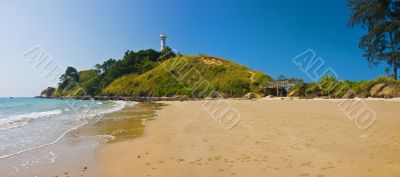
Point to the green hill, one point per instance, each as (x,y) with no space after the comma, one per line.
(152,73)
(202,76)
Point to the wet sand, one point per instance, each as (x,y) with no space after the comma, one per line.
(273,138)
(74,154)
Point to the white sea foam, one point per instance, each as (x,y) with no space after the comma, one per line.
(118,105)
(23,119)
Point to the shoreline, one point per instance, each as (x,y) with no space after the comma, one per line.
(74,154)
(182,135)
(185,98)
(273,138)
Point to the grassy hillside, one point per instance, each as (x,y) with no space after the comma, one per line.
(157,74)
(190,75)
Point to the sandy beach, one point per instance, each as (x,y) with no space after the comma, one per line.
(273,138)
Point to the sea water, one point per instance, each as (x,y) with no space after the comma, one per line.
(27,124)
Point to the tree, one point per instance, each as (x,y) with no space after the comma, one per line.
(70,77)
(381,19)
(102,68)
(89,81)
(327,84)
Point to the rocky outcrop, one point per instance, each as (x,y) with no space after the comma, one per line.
(376,89)
(390,91)
(382,90)
(252,95)
(47,93)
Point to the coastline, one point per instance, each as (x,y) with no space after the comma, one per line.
(74,153)
(186,98)
(273,138)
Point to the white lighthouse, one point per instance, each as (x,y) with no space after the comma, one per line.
(163,37)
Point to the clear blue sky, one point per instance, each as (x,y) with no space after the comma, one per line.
(264,35)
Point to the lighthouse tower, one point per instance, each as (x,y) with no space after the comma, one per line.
(163,37)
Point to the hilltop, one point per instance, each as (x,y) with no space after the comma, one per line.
(202,76)
(149,73)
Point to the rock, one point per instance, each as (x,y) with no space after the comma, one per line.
(389,92)
(252,95)
(47,93)
(376,89)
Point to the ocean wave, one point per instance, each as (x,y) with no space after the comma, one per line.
(23,119)
(117,106)
(96,114)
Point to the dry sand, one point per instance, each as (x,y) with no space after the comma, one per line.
(280,138)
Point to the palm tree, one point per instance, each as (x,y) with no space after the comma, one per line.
(381,19)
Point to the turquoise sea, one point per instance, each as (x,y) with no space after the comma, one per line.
(27,124)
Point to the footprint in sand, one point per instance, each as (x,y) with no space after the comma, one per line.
(308,164)
(389,162)
(289,166)
(304,174)
(327,168)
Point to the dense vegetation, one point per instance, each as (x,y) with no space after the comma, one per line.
(152,73)
(329,87)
